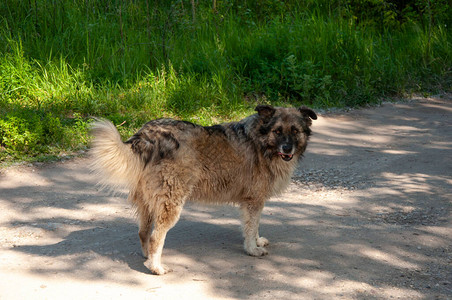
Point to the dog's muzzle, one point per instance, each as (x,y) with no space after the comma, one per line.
(286,152)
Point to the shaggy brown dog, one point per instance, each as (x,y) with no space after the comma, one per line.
(169,162)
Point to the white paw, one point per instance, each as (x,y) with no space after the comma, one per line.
(257,251)
(156,269)
(262,242)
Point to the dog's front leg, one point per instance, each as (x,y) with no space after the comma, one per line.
(251,213)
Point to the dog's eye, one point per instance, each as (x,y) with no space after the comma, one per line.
(277,131)
(295,131)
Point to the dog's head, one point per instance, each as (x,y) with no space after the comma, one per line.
(283,132)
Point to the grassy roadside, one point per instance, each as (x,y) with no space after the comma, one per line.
(64,62)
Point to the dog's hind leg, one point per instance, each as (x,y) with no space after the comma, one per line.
(166,214)
(144,212)
(144,230)
(251,212)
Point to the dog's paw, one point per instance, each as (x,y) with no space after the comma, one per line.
(262,242)
(257,251)
(157,270)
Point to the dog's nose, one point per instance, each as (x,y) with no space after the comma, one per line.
(287,148)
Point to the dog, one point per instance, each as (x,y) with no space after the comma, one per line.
(168,162)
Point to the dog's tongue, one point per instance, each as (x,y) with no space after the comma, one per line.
(285,157)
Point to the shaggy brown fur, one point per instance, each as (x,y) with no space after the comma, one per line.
(168,162)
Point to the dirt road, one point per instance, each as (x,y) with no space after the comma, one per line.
(368,216)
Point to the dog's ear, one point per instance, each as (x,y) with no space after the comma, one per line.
(265,111)
(307,112)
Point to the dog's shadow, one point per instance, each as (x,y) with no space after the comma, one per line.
(190,239)
(118,240)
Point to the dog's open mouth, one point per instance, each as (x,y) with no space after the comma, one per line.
(286,157)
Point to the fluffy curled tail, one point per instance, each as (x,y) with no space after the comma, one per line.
(113,161)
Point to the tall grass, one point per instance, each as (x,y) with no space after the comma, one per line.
(64,61)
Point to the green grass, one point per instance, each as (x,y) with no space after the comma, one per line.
(63,63)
